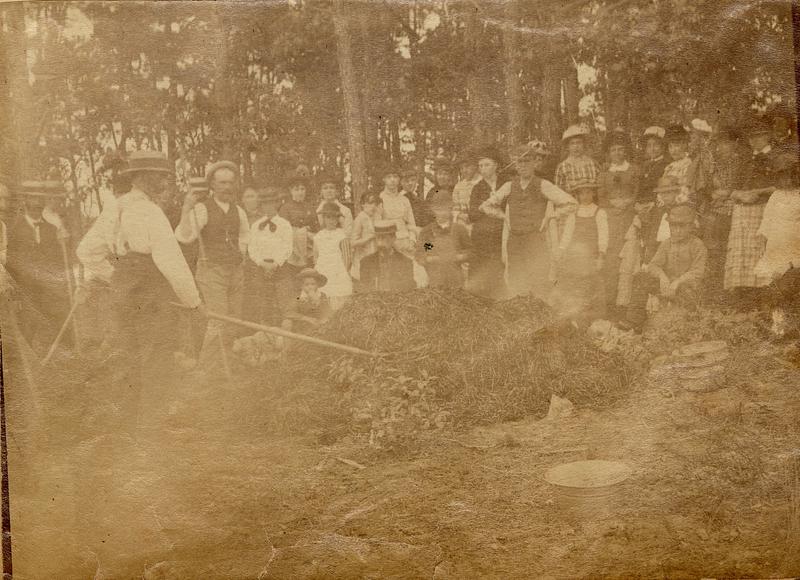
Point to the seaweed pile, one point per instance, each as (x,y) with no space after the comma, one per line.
(491,361)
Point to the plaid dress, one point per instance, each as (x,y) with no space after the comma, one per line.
(574,170)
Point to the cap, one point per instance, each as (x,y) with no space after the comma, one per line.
(295,179)
(312,273)
(654,131)
(153,161)
(681,214)
(214,167)
(408,171)
(385,228)
(328,177)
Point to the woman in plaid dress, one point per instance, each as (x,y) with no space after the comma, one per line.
(745,246)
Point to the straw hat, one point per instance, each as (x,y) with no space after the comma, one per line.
(385,228)
(50,188)
(152,161)
(701,125)
(654,132)
(574,131)
(214,167)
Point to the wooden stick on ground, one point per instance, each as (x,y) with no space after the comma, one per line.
(61,333)
(286,333)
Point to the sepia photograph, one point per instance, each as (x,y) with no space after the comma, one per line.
(399,289)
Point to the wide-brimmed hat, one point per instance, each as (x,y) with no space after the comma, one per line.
(574,131)
(667,185)
(293,179)
(385,228)
(214,167)
(702,126)
(49,188)
(330,208)
(152,161)
(654,132)
(676,133)
(682,214)
(312,273)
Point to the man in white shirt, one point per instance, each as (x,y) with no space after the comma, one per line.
(148,272)
(269,286)
(222,229)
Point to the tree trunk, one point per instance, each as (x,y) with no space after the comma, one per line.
(572,94)
(551,102)
(21,145)
(514,106)
(352,103)
(223,95)
(369,47)
(477,93)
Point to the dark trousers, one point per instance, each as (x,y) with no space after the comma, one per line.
(266,296)
(644,285)
(145,324)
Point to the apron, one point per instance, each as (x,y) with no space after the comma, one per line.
(580,283)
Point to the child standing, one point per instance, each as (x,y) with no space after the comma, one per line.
(329,257)
(640,245)
(329,192)
(443,246)
(362,239)
(581,254)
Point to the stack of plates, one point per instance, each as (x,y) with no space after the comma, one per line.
(700,365)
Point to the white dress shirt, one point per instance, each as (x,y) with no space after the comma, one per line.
(133,223)
(189,230)
(266,245)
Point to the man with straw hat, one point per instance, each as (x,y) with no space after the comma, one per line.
(148,272)
(524,204)
(36,263)
(221,227)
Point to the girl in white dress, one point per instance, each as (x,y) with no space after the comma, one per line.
(329,256)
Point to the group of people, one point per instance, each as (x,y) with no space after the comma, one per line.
(703,215)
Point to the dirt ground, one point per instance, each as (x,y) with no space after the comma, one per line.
(206,490)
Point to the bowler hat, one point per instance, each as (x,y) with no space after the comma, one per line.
(385,228)
(214,167)
(675,133)
(154,161)
(330,208)
(681,214)
(51,188)
(312,273)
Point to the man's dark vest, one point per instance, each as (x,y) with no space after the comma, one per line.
(526,207)
(221,235)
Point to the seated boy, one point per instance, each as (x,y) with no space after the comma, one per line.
(674,273)
(443,246)
(311,308)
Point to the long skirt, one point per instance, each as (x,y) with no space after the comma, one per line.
(619,221)
(745,246)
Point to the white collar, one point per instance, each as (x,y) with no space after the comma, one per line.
(620,167)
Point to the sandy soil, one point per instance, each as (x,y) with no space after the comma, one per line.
(205,490)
